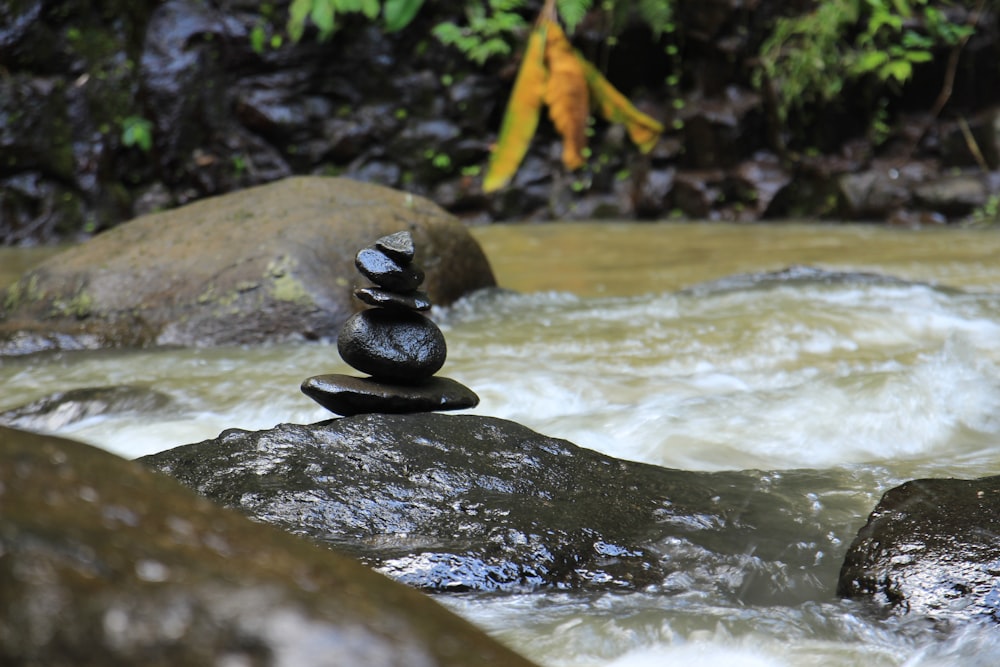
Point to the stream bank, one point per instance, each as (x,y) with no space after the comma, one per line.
(85,89)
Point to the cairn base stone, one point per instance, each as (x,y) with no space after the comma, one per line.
(348,395)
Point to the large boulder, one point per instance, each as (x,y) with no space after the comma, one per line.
(274,262)
(931,547)
(103,562)
(460,502)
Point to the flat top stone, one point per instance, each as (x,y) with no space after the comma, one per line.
(350,395)
(399,246)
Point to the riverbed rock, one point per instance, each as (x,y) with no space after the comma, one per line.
(460,502)
(106,563)
(62,408)
(930,548)
(270,263)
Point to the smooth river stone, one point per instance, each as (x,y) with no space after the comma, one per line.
(374,296)
(386,272)
(392,344)
(398,246)
(349,395)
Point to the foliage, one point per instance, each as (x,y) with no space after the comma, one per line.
(396,14)
(137,131)
(489,30)
(553,72)
(809,59)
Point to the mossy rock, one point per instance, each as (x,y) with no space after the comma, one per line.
(107,563)
(270,263)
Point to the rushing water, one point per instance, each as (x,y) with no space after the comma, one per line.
(672,344)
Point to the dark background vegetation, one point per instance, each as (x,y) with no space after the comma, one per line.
(880,110)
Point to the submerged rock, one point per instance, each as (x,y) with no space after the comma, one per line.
(451,503)
(930,547)
(104,563)
(63,408)
(270,263)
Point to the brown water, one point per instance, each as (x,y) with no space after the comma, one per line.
(668,343)
(595,259)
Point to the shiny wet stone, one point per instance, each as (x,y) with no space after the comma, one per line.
(386,272)
(349,395)
(373,296)
(392,344)
(398,246)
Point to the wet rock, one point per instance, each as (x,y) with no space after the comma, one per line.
(452,503)
(386,272)
(930,548)
(381,298)
(888,185)
(759,182)
(392,344)
(63,408)
(953,196)
(398,246)
(270,263)
(348,395)
(719,131)
(696,192)
(106,563)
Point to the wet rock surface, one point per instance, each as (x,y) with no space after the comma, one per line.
(394,345)
(931,547)
(105,563)
(349,395)
(265,264)
(63,408)
(452,503)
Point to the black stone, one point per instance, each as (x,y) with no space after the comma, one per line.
(452,502)
(392,344)
(398,246)
(348,395)
(386,272)
(930,547)
(374,296)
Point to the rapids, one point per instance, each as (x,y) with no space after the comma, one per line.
(873,360)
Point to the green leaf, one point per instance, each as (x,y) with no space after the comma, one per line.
(345,6)
(900,70)
(322,16)
(297,14)
(870,61)
(370,8)
(399,13)
(919,56)
(572,12)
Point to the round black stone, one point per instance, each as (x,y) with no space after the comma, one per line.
(349,395)
(386,272)
(374,296)
(399,246)
(392,344)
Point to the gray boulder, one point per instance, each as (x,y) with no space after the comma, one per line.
(104,563)
(270,263)
(460,502)
(931,547)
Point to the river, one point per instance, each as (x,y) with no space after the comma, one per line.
(874,360)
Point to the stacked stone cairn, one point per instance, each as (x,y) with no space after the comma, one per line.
(399,348)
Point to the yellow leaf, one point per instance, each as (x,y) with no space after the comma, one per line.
(615,107)
(521,117)
(566,94)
